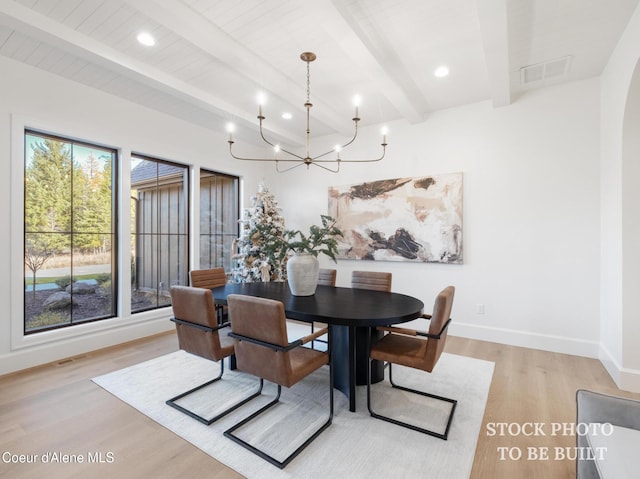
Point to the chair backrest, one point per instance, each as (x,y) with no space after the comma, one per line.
(208,278)
(378,281)
(327,277)
(441,313)
(195,305)
(262,319)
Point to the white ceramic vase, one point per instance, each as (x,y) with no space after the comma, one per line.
(302,274)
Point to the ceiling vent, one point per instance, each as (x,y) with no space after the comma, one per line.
(551,70)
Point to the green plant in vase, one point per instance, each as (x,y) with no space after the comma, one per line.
(321,239)
(303,266)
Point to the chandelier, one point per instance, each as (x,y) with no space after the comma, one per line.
(293,160)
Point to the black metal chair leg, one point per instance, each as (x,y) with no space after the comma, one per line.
(404,424)
(316,340)
(281,464)
(208,421)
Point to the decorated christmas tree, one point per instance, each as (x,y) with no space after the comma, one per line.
(261,225)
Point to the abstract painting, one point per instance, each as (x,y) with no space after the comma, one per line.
(404,219)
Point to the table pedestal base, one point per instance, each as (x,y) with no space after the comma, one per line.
(350,359)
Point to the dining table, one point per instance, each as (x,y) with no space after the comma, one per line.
(352,315)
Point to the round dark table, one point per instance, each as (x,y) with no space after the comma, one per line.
(349,312)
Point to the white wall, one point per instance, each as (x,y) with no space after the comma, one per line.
(531,214)
(40,100)
(620,167)
(531,206)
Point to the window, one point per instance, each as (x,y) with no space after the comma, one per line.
(219,205)
(69,232)
(159,231)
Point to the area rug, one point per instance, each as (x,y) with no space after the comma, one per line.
(354,446)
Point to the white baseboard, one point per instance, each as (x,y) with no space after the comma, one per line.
(610,363)
(629,380)
(626,379)
(29,357)
(545,342)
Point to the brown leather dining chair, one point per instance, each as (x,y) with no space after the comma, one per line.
(209,279)
(259,329)
(375,280)
(200,334)
(403,346)
(327,277)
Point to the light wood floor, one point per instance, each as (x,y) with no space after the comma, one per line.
(56,409)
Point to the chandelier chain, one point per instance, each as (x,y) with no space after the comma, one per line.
(308,84)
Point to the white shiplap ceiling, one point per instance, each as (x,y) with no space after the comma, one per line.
(212,56)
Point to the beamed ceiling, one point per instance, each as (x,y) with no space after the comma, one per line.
(212,57)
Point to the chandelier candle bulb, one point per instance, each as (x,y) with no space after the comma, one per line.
(230,129)
(357,99)
(262,98)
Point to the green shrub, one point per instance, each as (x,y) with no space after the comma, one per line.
(64,281)
(103,277)
(48,318)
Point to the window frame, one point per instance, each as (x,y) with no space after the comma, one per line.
(187,182)
(115,276)
(236,185)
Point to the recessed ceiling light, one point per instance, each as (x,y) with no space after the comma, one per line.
(441,71)
(146,39)
(287,116)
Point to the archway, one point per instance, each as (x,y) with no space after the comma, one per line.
(631,226)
